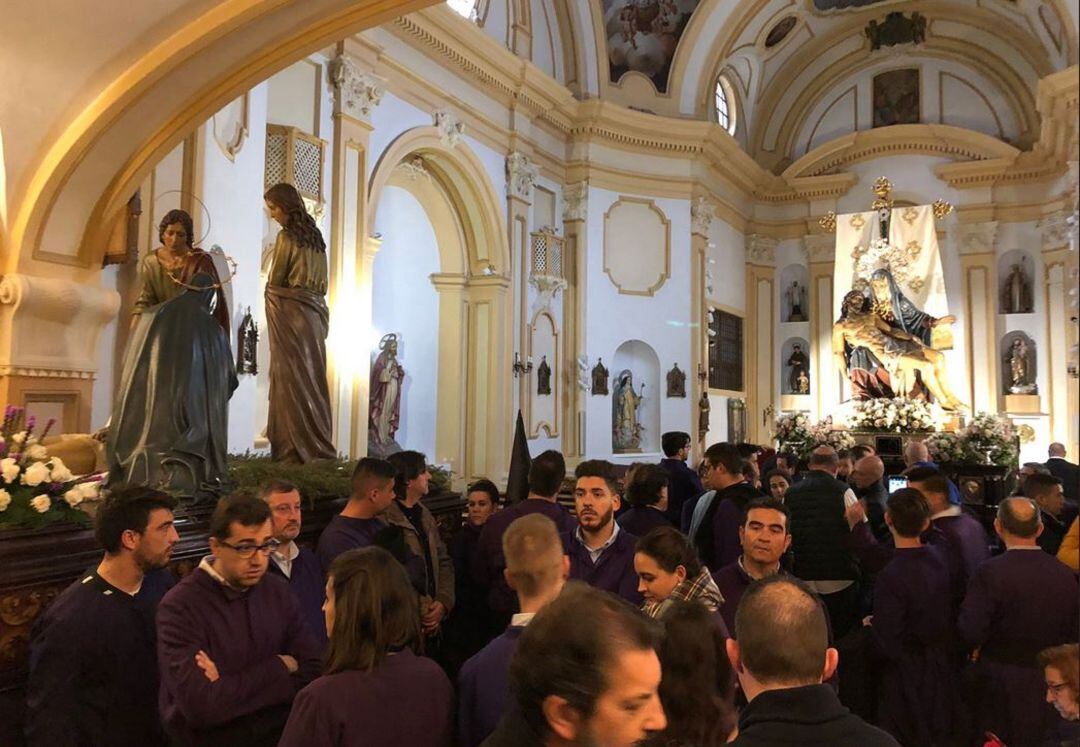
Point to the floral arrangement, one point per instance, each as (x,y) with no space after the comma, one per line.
(987,439)
(796,434)
(946,447)
(898,414)
(37,489)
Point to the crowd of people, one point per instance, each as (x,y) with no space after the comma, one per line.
(745,603)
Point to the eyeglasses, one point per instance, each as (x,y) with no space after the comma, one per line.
(1056,688)
(248,550)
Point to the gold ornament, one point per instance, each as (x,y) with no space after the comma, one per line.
(828,221)
(942,208)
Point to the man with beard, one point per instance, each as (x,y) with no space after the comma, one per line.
(232,645)
(601,554)
(585,673)
(93,659)
(298,565)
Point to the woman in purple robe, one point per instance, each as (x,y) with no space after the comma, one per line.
(375,691)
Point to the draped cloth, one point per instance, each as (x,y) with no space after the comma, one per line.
(299,422)
(170,421)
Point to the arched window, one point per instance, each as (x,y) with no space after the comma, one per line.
(725,105)
(465,8)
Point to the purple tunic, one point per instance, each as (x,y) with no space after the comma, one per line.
(406,701)
(967,543)
(243,632)
(683,484)
(490,563)
(484,688)
(913,632)
(613,571)
(732,581)
(346,533)
(1016,605)
(640,520)
(308,585)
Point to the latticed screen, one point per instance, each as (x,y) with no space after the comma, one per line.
(547,254)
(294,157)
(725,351)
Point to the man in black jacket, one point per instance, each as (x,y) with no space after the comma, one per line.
(1064,470)
(683,482)
(780,652)
(818,538)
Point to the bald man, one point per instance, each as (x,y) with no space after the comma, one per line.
(1017,604)
(867,480)
(1064,470)
(917,455)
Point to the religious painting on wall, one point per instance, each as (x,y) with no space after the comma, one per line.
(780,31)
(896,97)
(642,36)
(725,351)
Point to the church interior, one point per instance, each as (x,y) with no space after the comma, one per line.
(614,219)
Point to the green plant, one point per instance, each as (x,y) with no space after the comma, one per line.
(327,479)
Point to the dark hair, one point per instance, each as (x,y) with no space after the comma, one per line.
(781,631)
(247,510)
(546,473)
(408,465)
(127,507)
(270,487)
(773,505)
(375,610)
(788,458)
(670,548)
(747,450)
(672,441)
(484,486)
(177,216)
(909,511)
(570,646)
(750,469)
(299,225)
(844,454)
(1019,526)
(727,455)
(930,480)
(697,688)
(1037,469)
(774,473)
(599,468)
(1037,485)
(824,456)
(858,451)
(644,489)
(369,469)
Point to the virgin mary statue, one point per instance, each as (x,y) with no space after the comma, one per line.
(626,430)
(169,426)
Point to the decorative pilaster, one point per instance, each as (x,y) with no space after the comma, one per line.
(520,176)
(978,263)
(1059,263)
(759,327)
(574,214)
(819,249)
(702,213)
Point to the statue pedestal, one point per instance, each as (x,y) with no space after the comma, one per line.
(1023,404)
(795,402)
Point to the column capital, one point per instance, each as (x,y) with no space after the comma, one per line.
(451,128)
(702,213)
(356,92)
(371,247)
(521,173)
(819,247)
(760,249)
(575,201)
(976,238)
(1057,229)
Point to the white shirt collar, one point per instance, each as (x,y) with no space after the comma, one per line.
(521,619)
(950,511)
(610,540)
(286,552)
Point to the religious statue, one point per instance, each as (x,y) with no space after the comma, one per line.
(894,308)
(599,377)
(736,419)
(626,430)
(170,420)
(384,412)
(299,422)
(1018,359)
(704,408)
(1016,297)
(903,355)
(796,302)
(676,382)
(247,343)
(543,376)
(799,363)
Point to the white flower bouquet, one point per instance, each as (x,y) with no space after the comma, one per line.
(897,415)
(37,489)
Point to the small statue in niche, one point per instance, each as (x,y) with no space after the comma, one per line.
(796,302)
(676,382)
(625,428)
(798,376)
(599,377)
(387,376)
(543,376)
(704,408)
(1016,296)
(247,341)
(736,413)
(1019,362)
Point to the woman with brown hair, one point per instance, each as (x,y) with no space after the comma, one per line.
(375,690)
(670,571)
(1061,669)
(299,422)
(169,426)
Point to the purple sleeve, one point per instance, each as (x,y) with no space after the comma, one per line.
(871,554)
(726,523)
(206,703)
(977,612)
(888,625)
(55,684)
(695,481)
(468,706)
(310,724)
(301,644)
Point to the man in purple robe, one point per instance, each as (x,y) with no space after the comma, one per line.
(601,554)
(765,537)
(648,494)
(912,629)
(536,570)
(718,514)
(546,474)
(1017,604)
(683,482)
(233,647)
(297,565)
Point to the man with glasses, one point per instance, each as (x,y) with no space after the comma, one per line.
(233,647)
